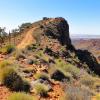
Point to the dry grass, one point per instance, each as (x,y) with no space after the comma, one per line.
(41,89)
(77,93)
(7,49)
(21,96)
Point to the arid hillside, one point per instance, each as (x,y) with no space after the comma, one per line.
(39,62)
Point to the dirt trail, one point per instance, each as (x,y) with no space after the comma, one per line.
(28,39)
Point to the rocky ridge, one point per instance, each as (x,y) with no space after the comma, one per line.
(46,58)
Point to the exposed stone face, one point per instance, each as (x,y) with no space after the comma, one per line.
(89,59)
(58,28)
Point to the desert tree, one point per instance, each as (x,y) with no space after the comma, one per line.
(3,35)
(9,37)
(24,26)
(14,33)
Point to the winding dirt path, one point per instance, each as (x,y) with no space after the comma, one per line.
(28,39)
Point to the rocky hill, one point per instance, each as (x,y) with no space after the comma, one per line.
(45,57)
(56,29)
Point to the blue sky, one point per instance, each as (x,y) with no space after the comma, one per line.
(83,16)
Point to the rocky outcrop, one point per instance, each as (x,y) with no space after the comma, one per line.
(89,59)
(52,35)
(58,28)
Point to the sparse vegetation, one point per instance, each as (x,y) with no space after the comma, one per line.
(10,78)
(41,89)
(77,93)
(41,54)
(45,57)
(4,64)
(5,73)
(87,80)
(7,49)
(21,96)
(67,67)
(41,76)
(24,26)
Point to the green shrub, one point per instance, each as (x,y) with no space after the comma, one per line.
(41,75)
(41,55)
(41,89)
(69,76)
(4,63)
(67,67)
(4,72)
(12,80)
(7,49)
(21,96)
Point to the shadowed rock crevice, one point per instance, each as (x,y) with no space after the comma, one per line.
(89,59)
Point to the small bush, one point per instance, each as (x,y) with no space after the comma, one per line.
(21,96)
(77,93)
(12,80)
(7,49)
(4,63)
(87,80)
(67,67)
(41,75)
(41,55)
(4,72)
(41,89)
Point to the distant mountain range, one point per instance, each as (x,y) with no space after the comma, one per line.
(85,36)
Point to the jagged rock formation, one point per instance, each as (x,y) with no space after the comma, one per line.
(92,45)
(89,59)
(58,28)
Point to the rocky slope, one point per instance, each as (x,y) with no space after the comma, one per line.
(52,35)
(46,58)
(57,29)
